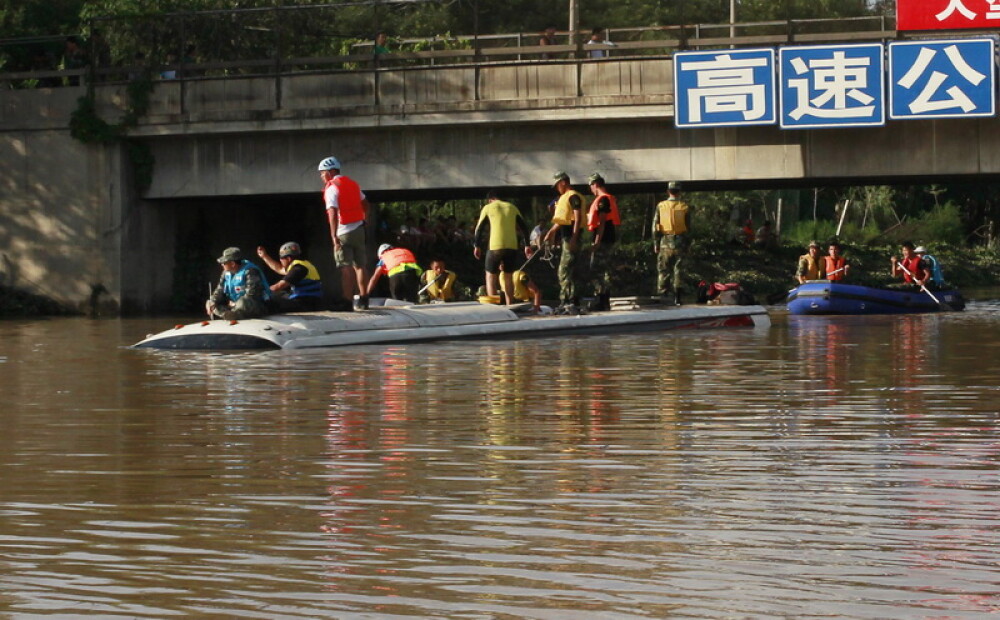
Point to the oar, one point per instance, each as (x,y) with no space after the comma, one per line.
(531,258)
(837,270)
(924,288)
(432,282)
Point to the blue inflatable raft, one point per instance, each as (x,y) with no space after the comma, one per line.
(822,297)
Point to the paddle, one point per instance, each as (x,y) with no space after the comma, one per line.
(433,282)
(943,305)
(837,270)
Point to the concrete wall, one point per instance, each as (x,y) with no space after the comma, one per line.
(61,202)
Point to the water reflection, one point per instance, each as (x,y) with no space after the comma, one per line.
(837,467)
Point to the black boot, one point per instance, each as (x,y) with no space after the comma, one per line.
(677,298)
(604,302)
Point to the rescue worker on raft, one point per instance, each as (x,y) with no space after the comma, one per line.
(300,290)
(931,267)
(835,266)
(909,267)
(438,283)
(242,292)
(603,221)
(810,265)
(404,273)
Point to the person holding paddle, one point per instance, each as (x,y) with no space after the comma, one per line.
(835,265)
(438,283)
(909,268)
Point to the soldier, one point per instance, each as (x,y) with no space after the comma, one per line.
(567,224)
(242,292)
(671,226)
(603,221)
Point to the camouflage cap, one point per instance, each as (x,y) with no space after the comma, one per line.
(596,178)
(814,244)
(560,176)
(674,185)
(229,254)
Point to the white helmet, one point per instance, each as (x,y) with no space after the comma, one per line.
(290,249)
(330,163)
(920,250)
(382,248)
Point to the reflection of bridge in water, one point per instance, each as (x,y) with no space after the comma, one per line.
(440,123)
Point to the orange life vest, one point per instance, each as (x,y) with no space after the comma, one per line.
(349,199)
(391,259)
(832,264)
(915,268)
(594,215)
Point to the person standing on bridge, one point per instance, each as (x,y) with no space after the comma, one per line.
(346,212)
(567,224)
(603,221)
(500,222)
(671,224)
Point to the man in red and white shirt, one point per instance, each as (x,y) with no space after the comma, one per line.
(346,211)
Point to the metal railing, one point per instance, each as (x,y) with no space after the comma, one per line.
(150,47)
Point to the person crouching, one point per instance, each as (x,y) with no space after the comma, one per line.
(242,292)
(404,273)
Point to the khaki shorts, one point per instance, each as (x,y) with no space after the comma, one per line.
(352,249)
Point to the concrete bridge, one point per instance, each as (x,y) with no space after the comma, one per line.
(236,156)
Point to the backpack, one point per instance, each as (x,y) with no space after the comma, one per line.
(728,294)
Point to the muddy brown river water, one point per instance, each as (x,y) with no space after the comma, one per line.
(825,467)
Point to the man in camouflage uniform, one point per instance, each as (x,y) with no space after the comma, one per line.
(567,224)
(671,229)
(603,220)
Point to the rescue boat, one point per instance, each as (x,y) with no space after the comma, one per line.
(823,297)
(393,323)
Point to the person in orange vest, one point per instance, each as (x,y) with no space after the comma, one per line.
(404,273)
(603,220)
(835,266)
(346,212)
(909,268)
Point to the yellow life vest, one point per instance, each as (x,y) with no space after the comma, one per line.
(521,292)
(564,210)
(814,266)
(672,217)
(442,289)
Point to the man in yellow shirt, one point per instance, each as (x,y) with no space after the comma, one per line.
(671,227)
(500,222)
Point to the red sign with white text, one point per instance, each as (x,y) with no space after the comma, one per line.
(947,14)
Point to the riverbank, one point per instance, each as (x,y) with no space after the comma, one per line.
(764,273)
(16,303)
